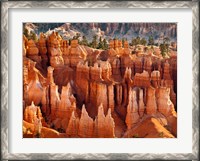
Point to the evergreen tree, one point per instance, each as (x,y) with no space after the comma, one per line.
(105,45)
(137,40)
(34,36)
(25,32)
(143,41)
(123,40)
(84,41)
(100,45)
(94,42)
(151,40)
(163,49)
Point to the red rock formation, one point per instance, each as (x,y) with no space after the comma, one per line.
(50,79)
(32,51)
(96,72)
(165,106)
(126,48)
(166,72)
(34,87)
(118,96)
(77,54)
(126,61)
(155,78)
(150,128)
(120,48)
(132,116)
(110,125)
(54,100)
(148,65)
(127,75)
(141,103)
(31,48)
(42,44)
(43,50)
(65,52)
(170,84)
(106,70)
(32,113)
(37,127)
(112,53)
(73,126)
(25,41)
(112,84)
(65,96)
(104,125)
(102,97)
(116,46)
(142,80)
(116,72)
(82,77)
(151,106)
(111,101)
(54,51)
(138,65)
(86,125)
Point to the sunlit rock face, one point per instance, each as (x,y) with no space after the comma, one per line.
(86,125)
(32,113)
(165,105)
(132,116)
(43,50)
(75,91)
(54,51)
(151,105)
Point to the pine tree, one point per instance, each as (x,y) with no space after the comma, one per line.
(25,32)
(143,41)
(105,45)
(94,42)
(137,40)
(84,41)
(151,40)
(100,44)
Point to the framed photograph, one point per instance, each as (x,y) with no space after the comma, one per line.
(100,80)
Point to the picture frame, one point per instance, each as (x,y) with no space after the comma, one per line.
(5,74)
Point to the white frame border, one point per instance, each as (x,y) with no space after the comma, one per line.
(97,4)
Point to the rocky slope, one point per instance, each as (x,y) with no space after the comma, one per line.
(108,30)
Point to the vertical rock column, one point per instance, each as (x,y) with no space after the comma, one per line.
(73,126)
(155,79)
(54,98)
(43,50)
(65,52)
(118,88)
(102,96)
(148,64)
(111,101)
(132,116)
(82,82)
(151,106)
(165,106)
(104,125)
(116,73)
(54,51)
(32,51)
(166,72)
(141,103)
(86,125)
